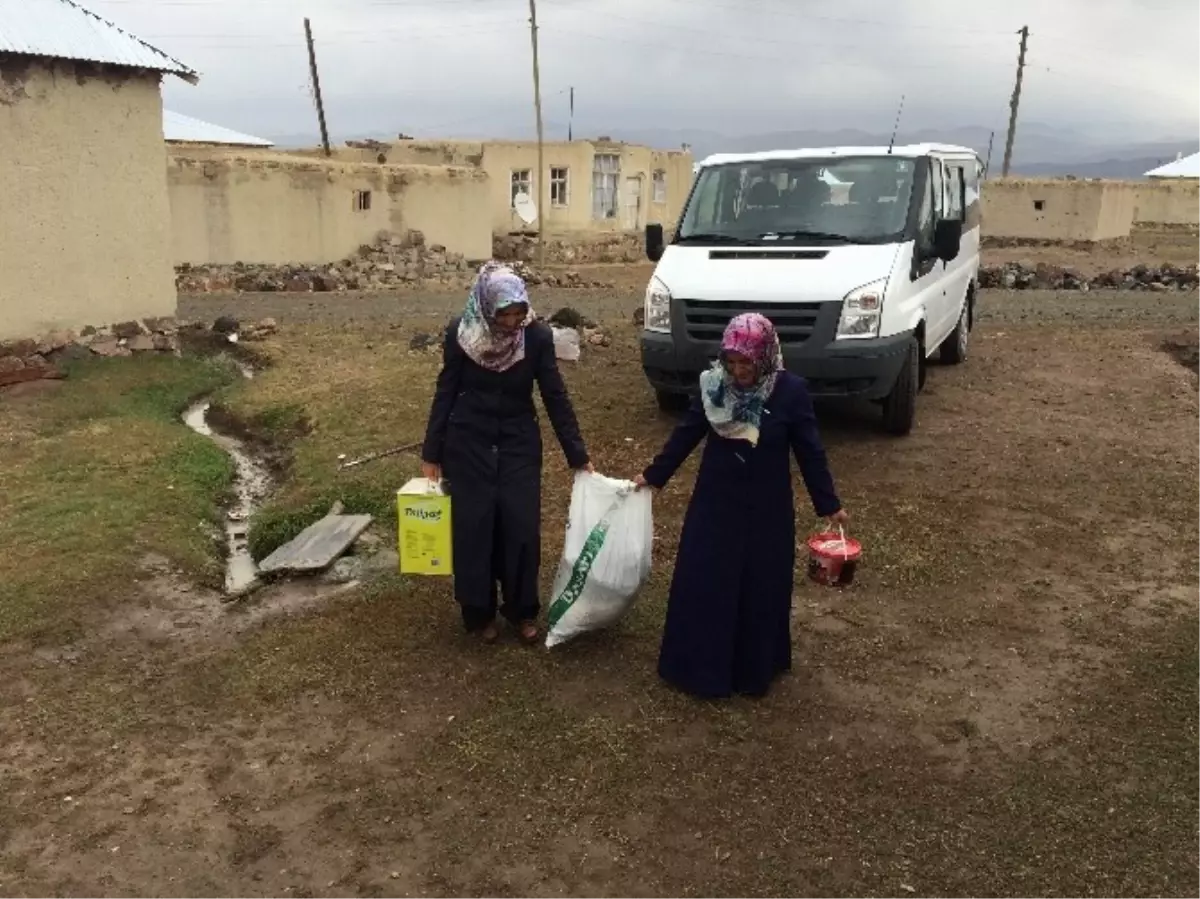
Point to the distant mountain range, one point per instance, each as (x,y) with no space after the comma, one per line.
(1043,150)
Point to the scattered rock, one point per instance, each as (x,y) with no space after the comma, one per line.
(570,318)
(226,324)
(125,330)
(37,359)
(261,330)
(108,346)
(1043,276)
(422,342)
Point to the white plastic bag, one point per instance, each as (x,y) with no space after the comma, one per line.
(566,344)
(606,559)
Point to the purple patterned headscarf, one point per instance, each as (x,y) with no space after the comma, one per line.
(736,412)
(496,287)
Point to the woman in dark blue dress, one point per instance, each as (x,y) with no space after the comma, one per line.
(728,627)
(483,429)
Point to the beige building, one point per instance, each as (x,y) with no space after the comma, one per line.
(588,186)
(84,194)
(1057,209)
(274,208)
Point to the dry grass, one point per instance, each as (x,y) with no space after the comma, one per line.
(1004,704)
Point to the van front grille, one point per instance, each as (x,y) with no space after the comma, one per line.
(706,320)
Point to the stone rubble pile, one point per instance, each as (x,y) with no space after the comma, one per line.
(31,360)
(391,262)
(1016,276)
(590,249)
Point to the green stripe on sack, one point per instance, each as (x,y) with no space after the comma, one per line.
(579,573)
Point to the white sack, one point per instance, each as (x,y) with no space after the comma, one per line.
(606,559)
(566,344)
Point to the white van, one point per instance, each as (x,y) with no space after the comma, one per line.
(865,258)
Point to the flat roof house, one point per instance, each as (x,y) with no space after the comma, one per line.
(85,235)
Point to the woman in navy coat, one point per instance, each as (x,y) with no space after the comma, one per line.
(728,626)
(483,430)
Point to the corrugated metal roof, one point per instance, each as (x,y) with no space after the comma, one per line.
(63,29)
(179,128)
(1187,167)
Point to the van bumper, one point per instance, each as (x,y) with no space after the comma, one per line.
(847,369)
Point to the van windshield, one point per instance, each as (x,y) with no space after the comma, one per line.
(838,200)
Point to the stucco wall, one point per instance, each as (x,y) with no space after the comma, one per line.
(83,199)
(499,159)
(1047,209)
(1174,201)
(275,208)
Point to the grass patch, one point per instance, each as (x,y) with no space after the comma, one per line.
(97,474)
(336,392)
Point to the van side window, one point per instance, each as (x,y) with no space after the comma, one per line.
(925,213)
(935,180)
(971,211)
(955,200)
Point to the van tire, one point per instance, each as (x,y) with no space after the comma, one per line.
(673,403)
(900,406)
(953,350)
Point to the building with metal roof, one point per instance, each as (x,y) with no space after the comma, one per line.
(85,221)
(1184,167)
(182,129)
(62,29)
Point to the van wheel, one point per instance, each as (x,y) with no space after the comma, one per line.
(900,406)
(953,350)
(671,402)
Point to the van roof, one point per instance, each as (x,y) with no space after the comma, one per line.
(908,151)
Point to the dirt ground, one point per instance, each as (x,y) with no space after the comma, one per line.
(1004,704)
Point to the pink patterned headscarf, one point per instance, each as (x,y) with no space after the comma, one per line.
(736,412)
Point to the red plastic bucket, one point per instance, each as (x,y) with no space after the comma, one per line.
(832,558)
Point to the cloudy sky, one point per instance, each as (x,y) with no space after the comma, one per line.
(1114,69)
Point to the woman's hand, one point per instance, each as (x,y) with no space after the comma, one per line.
(838,518)
(431,471)
(639,483)
(587,468)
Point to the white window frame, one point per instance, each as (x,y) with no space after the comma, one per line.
(560,185)
(606,186)
(659,182)
(519,181)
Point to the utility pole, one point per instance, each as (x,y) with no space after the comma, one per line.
(571,117)
(987,166)
(540,178)
(1014,103)
(312,68)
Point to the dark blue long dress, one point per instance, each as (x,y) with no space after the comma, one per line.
(728,627)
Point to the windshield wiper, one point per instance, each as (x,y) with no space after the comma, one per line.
(710,238)
(812,235)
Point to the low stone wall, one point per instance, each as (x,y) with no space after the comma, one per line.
(1015,276)
(32,360)
(392,262)
(573,250)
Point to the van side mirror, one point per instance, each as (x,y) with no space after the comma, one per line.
(655,242)
(947,238)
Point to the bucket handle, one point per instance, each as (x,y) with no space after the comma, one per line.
(842,535)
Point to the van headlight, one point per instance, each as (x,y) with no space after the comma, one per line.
(862,309)
(658,307)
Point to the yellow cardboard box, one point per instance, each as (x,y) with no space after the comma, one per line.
(423,510)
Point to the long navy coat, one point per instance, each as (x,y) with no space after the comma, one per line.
(483,431)
(728,627)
